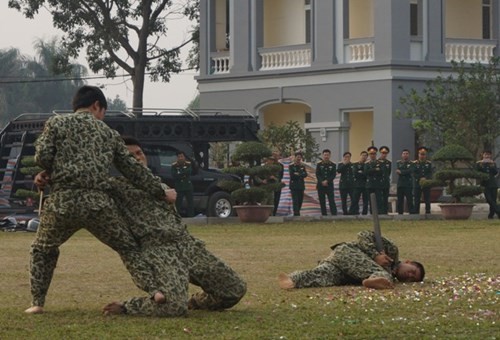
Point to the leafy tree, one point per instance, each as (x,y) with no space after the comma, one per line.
(122,34)
(116,104)
(11,68)
(289,138)
(464,106)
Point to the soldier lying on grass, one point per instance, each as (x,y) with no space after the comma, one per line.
(357,263)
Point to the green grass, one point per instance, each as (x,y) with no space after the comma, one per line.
(459,298)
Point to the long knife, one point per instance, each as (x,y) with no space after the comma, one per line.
(376,224)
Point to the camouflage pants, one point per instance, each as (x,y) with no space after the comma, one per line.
(188,261)
(66,212)
(345,265)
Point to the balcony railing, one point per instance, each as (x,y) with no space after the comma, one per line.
(359,50)
(284,57)
(469,51)
(219,62)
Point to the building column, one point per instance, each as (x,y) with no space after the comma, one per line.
(257,32)
(392,30)
(323,33)
(239,40)
(434,32)
(207,35)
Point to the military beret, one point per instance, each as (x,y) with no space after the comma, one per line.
(384,149)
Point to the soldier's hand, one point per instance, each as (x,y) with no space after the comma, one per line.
(170,195)
(41,179)
(398,172)
(383,260)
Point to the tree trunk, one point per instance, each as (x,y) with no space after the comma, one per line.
(138,82)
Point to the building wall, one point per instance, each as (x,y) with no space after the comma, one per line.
(280,114)
(284,22)
(360,18)
(464,19)
(360,131)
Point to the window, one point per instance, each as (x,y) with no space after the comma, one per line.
(486,19)
(307,8)
(414,19)
(308,117)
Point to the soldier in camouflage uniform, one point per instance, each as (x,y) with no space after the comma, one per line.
(488,166)
(297,186)
(405,185)
(386,166)
(357,263)
(359,185)
(345,169)
(77,151)
(177,257)
(325,174)
(422,168)
(374,176)
(181,172)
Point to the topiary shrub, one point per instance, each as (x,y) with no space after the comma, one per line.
(456,164)
(256,191)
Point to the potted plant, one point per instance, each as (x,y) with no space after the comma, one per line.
(29,169)
(254,197)
(456,166)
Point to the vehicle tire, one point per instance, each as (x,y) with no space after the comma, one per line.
(220,205)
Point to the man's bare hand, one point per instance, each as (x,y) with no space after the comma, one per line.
(41,179)
(383,260)
(170,195)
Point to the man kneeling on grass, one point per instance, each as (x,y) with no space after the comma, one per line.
(357,263)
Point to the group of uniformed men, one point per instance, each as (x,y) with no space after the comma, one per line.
(359,179)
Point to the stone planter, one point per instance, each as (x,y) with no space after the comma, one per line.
(253,213)
(436,193)
(456,211)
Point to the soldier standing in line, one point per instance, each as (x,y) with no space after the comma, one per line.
(405,185)
(487,166)
(297,172)
(345,169)
(325,174)
(422,168)
(359,185)
(181,172)
(374,176)
(386,166)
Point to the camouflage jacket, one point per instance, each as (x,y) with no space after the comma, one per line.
(78,151)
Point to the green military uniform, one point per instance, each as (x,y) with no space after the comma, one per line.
(78,165)
(490,186)
(375,180)
(359,189)
(326,171)
(181,172)
(178,258)
(386,167)
(346,184)
(297,186)
(421,169)
(405,185)
(349,263)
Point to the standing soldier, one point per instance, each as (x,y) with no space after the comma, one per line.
(325,174)
(374,176)
(359,185)
(386,166)
(422,168)
(405,185)
(489,167)
(346,181)
(181,172)
(297,186)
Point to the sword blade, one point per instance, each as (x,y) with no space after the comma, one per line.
(376,223)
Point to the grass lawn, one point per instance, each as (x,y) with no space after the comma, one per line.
(459,299)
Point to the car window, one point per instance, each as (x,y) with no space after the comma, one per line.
(160,158)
